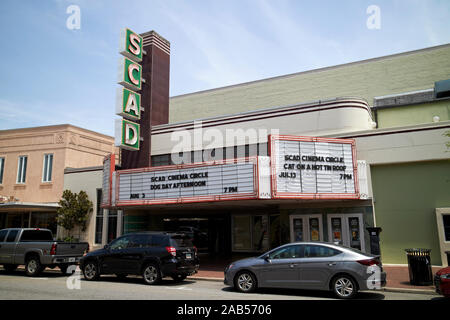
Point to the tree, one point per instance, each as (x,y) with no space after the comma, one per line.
(74,210)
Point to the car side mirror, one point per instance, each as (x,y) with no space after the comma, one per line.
(267,258)
(106,247)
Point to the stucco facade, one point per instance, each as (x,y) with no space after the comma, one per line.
(70,147)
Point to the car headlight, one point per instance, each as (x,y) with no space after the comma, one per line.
(445,276)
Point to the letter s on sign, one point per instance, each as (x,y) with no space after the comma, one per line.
(134,46)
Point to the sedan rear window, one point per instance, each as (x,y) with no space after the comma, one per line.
(36,235)
(313,251)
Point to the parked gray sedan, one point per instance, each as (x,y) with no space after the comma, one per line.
(309,265)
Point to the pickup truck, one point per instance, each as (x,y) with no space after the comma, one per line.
(36,249)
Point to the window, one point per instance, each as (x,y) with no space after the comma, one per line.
(320,252)
(180,241)
(140,241)
(22,169)
(2,167)
(36,235)
(120,243)
(3,234)
(99,218)
(12,235)
(45,220)
(47,168)
(161,160)
(242,234)
(289,252)
(112,225)
(446,218)
(159,240)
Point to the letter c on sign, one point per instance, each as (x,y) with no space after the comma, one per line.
(131,68)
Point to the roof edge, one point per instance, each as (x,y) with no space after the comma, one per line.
(315,70)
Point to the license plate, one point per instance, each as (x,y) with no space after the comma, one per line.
(188,256)
(71,259)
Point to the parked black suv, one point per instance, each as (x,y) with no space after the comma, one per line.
(154,255)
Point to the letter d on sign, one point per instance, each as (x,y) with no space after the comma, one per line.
(130,134)
(127,134)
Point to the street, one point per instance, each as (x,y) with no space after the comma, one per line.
(54,285)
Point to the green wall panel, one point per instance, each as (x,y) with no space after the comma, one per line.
(406,196)
(413,114)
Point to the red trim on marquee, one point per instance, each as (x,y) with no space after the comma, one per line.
(293,195)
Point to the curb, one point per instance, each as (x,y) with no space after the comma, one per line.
(206,279)
(408,290)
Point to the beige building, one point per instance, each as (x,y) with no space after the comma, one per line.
(32,163)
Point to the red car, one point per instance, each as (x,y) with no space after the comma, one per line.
(442,282)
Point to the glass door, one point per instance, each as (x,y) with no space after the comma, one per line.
(346,230)
(298,233)
(306,228)
(336,230)
(356,233)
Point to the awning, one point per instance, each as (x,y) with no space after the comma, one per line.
(28,206)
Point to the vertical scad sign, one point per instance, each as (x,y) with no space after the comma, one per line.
(313,168)
(128,100)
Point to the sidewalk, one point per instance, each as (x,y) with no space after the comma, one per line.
(397,278)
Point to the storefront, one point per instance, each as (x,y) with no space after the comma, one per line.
(28,215)
(307,190)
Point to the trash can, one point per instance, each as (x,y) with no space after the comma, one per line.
(419,265)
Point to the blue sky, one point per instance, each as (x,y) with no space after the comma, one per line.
(53,75)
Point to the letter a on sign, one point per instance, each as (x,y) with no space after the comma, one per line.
(128,104)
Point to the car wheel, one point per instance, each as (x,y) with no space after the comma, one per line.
(179,277)
(33,266)
(245,282)
(10,267)
(344,287)
(90,271)
(121,276)
(151,274)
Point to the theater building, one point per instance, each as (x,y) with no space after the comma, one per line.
(319,155)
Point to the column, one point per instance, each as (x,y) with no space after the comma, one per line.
(105,227)
(119,222)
